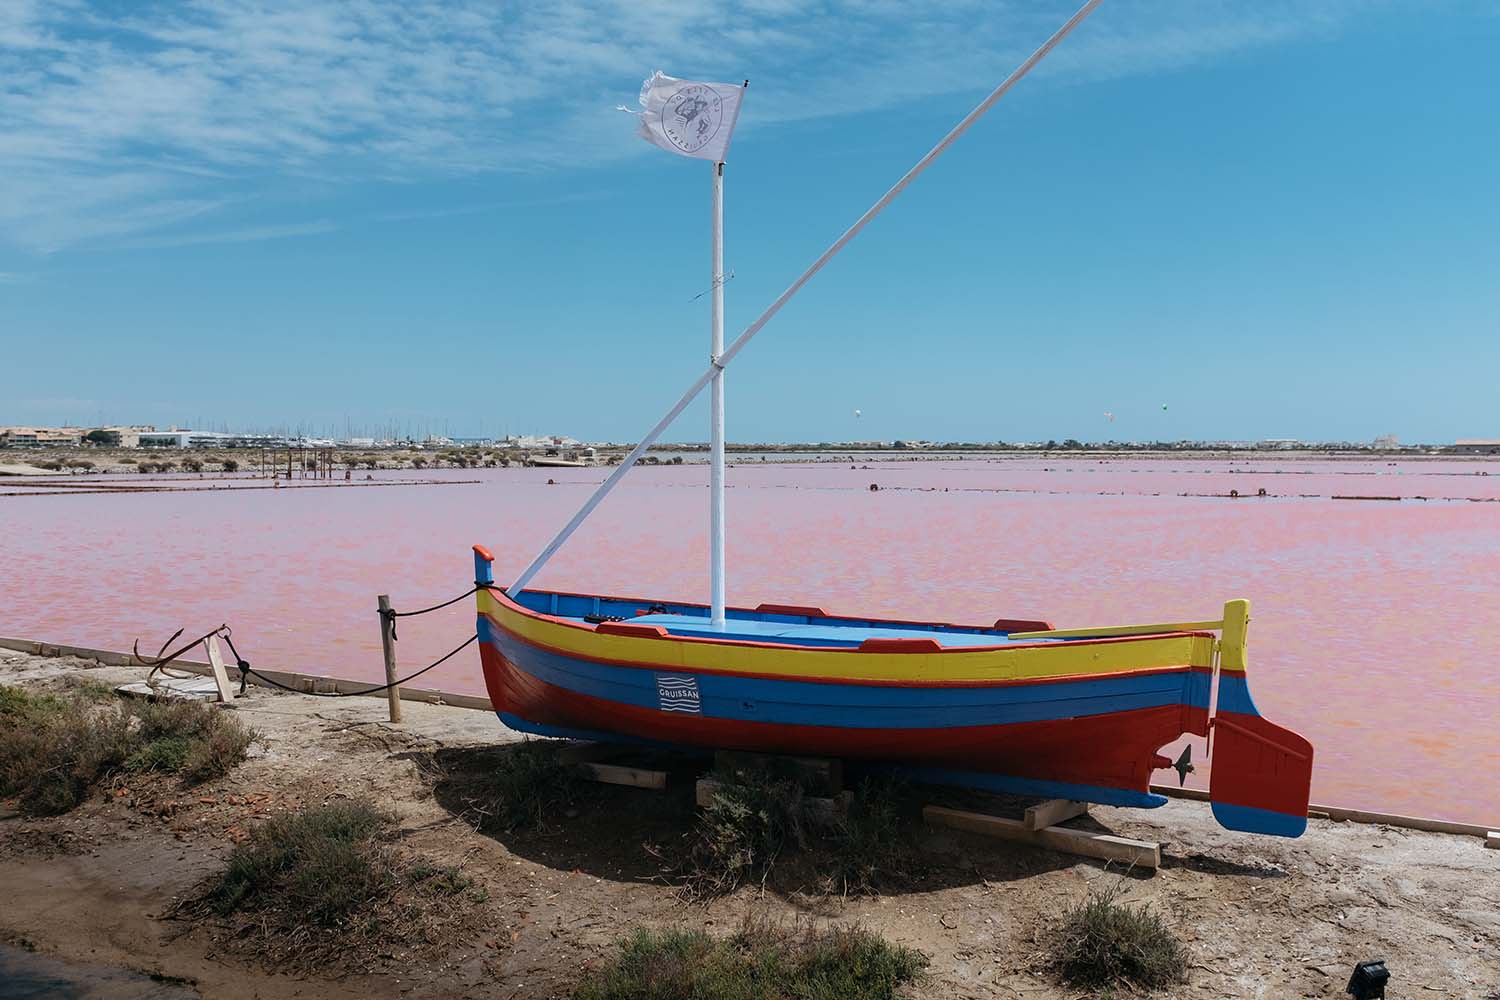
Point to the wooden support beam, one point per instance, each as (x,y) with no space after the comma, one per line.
(633,777)
(1139,853)
(1053,812)
(1492,840)
(823,774)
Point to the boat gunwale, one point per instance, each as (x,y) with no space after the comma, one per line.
(945,650)
(897,682)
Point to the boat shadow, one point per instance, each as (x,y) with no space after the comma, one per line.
(645,835)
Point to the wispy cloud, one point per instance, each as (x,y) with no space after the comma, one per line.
(249,234)
(13,278)
(128,122)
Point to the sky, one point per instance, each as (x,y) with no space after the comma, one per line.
(1209,218)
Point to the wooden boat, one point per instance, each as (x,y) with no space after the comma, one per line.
(1014,706)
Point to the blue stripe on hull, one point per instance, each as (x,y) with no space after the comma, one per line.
(1234,695)
(860,706)
(1252,820)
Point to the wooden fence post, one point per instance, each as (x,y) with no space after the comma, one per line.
(388,647)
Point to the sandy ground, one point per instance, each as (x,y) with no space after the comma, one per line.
(1263,917)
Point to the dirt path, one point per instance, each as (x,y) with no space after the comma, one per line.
(1263,917)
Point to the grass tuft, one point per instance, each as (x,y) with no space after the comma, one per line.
(1105,943)
(324,889)
(763,961)
(525,789)
(55,747)
(317,866)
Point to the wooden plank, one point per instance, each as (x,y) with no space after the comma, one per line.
(221,676)
(634,777)
(825,773)
(1492,840)
(1053,812)
(1139,853)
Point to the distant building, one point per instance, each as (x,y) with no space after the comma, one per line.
(189,439)
(1386,442)
(1278,444)
(39,437)
(1482,446)
(118,437)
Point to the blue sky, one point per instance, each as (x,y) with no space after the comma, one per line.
(1279,218)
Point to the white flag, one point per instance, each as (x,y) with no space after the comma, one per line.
(689,118)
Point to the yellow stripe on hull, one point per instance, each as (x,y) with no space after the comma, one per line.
(1010,663)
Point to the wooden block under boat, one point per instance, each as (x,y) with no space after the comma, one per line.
(1053,812)
(1142,853)
(633,777)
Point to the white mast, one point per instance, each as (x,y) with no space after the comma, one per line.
(738,344)
(716,428)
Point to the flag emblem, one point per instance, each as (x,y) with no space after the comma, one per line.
(689,117)
(692,117)
(678,693)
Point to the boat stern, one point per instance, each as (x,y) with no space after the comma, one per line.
(1261,777)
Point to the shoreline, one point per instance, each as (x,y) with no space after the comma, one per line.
(76,461)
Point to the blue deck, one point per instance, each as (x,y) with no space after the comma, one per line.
(812,634)
(761,626)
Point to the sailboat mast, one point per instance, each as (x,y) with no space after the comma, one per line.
(738,344)
(716,428)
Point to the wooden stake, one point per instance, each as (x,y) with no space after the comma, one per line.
(388,647)
(221,676)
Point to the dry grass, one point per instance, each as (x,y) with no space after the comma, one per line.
(1106,944)
(763,961)
(322,890)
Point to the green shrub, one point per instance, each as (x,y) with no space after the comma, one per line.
(230,465)
(318,865)
(54,748)
(1105,943)
(761,962)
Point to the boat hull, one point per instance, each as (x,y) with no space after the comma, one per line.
(1083,720)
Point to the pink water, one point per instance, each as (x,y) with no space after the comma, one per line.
(1373,621)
